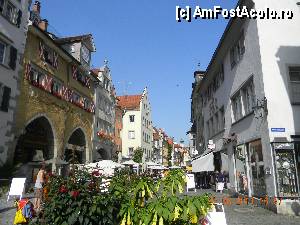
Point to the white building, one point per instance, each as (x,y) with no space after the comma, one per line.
(137,124)
(104,119)
(14,17)
(249,105)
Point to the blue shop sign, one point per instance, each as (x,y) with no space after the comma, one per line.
(277,129)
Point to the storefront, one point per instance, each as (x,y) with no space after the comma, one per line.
(286,158)
(250,169)
(241,169)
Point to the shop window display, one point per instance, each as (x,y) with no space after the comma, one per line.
(257,168)
(240,165)
(286,173)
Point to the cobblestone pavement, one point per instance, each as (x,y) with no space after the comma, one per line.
(250,214)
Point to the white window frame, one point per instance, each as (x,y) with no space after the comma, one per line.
(131,134)
(237,107)
(4,51)
(85,52)
(1,92)
(13,17)
(294,83)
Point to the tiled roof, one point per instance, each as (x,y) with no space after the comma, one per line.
(170,141)
(129,101)
(96,71)
(88,37)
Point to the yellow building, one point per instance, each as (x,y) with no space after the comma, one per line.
(55,107)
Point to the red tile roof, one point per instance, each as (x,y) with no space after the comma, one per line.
(170,141)
(130,101)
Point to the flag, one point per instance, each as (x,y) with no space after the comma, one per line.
(47,83)
(41,51)
(74,72)
(87,82)
(65,93)
(70,95)
(55,60)
(27,71)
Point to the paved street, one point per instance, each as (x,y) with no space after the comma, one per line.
(235,214)
(7,210)
(251,215)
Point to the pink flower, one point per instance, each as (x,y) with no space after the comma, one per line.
(75,194)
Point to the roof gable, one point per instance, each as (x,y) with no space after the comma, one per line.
(130,102)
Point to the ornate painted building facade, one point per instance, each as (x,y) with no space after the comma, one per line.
(55,107)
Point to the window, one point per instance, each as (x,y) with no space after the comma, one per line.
(237,107)
(85,54)
(13,58)
(1,5)
(248,98)
(2,52)
(10,12)
(130,151)
(56,89)
(222,118)
(48,54)
(237,50)
(131,134)
(4,98)
(294,73)
(131,118)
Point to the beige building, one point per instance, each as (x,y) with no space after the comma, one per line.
(137,124)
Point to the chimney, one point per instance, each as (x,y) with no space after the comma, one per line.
(36,7)
(198,75)
(43,25)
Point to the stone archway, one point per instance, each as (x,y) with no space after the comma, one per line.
(34,145)
(75,151)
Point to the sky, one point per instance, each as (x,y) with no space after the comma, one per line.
(145,47)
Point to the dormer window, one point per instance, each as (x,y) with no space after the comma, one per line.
(85,54)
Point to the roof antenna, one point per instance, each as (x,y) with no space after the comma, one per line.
(198,66)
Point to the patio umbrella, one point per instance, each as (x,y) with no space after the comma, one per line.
(108,164)
(174,167)
(56,161)
(130,163)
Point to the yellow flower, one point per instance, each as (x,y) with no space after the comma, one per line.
(161,221)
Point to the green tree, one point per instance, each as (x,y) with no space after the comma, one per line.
(138,155)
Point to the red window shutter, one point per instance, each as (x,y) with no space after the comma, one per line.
(74,72)
(41,50)
(27,71)
(55,60)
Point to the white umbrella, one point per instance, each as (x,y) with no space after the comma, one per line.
(130,163)
(108,164)
(158,167)
(56,161)
(150,163)
(174,167)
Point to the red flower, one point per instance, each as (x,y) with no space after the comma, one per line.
(96,173)
(75,194)
(50,174)
(63,189)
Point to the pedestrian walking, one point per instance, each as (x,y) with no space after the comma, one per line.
(220,180)
(40,179)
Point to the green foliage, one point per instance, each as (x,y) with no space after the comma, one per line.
(130,200)
(138,155)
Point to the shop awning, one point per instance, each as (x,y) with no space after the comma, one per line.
(204,163)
